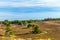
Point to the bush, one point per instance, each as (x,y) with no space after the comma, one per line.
(16,22)
(24,23)
(29,25)
(6,22)
(36,30)
(8,32)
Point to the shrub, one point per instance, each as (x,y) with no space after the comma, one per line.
(36,30)
(24,23)
(9,32)
(6,22)
(29,25)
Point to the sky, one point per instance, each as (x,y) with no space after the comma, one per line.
(29,9)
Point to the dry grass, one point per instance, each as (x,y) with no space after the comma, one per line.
(50,29)
(15,38)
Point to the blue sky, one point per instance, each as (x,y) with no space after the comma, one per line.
(29,9)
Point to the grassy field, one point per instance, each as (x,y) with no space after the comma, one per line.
(50,31)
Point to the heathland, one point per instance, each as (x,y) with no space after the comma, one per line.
(31,29)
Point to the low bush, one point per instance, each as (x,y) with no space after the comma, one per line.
(36,30)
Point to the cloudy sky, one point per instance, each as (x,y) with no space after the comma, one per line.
(29,9)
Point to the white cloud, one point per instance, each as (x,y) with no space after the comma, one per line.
(17,3)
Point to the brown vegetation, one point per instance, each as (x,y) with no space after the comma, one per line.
(50,29)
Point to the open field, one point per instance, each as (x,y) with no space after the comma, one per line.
(50,29)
